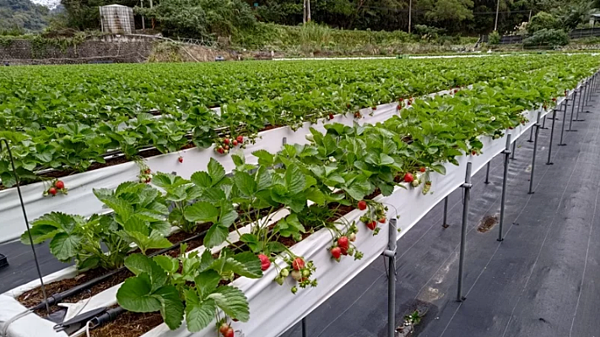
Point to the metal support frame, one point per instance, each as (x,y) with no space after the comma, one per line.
(577,115)
(391,254)
(535,141)
(463,232)
(549,162)
(514,149)
(304,327)
(487,173)
(530,140)
(506,153)
(562,130)
(572,109)
(35,258)
(444,222)
(544,124)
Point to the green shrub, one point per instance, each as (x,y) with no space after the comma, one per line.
(547,37)
(494,38)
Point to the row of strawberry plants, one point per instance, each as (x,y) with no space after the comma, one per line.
(71,126)
(315,183)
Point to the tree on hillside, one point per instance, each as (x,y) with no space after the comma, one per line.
(22,15)
(204,19)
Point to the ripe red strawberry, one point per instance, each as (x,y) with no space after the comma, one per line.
(226,141)
(399,107)
(344,251)
(382,220)
(180,159)
(265,263)
(371,225)
(220,150)
(374,107)
(455,91)
(408,177)
(229,333)
(408,103)
(473,152)
(298,263)
(240,139)
(52,191)
(362,205)
(330,116)
(148,180)
(553,99)
(235,142)
(59,184)
(422,169)
(223,328)
(336,252)
(343,242)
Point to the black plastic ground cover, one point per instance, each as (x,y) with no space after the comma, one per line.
(542,280)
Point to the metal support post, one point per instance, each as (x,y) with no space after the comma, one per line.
(35,258)
(537,132)
(544,124)
(487,173)
(577,113)
(304,327)
(391,254)
(445,223)
(514,149)
(530,136)
(506,153)
(549,162)
(463,233)
(562,131)
(579,105)
(572,109)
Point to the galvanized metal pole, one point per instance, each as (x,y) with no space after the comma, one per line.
(506,153)
(562,131)
(35,258)
(463,232)
(549,162)
(487,173)
(391,254)
(530,136)
(514,149)
(304,327)
(577,113)
(580,105)
(445,223)
(572,109)
(544,124)
(537,132)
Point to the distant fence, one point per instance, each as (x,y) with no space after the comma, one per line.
(574,34)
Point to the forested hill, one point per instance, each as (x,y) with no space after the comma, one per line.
(22,15)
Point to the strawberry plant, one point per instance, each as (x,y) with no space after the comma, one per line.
(190,286)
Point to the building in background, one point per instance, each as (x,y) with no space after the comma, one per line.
(117,19)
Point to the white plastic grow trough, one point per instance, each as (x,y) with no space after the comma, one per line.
(81,200)
(269,302)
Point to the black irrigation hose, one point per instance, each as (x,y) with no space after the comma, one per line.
(54,299)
